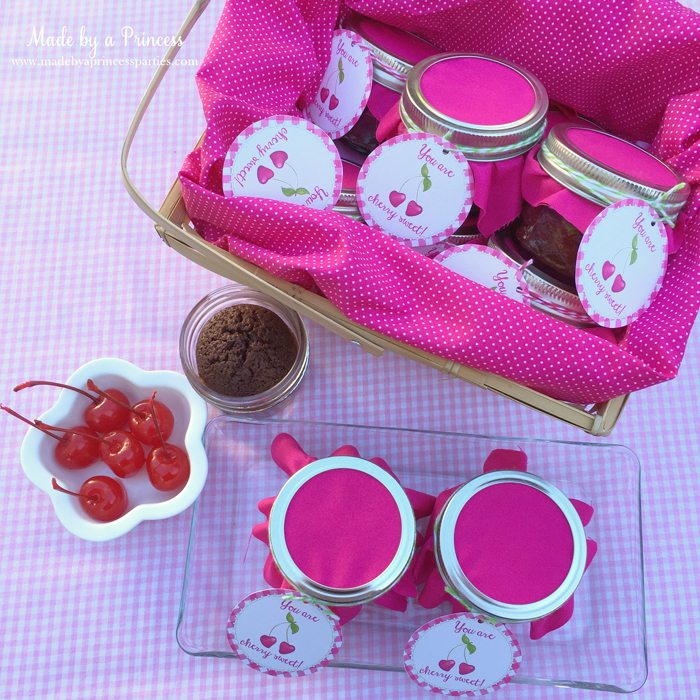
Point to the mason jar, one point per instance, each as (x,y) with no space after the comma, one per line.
(342,531)
(510,545)
(394,52)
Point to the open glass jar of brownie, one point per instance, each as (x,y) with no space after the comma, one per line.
(242,351)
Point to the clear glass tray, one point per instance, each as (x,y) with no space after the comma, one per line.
(603,647)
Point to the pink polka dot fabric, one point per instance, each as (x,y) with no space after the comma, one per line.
(630,65)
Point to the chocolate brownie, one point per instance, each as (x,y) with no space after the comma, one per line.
(244,350)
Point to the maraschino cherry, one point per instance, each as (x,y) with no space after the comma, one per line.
(101,497)
(76,448)
(122,453)
(143,421)
(106,411)
(168,466)
(141,418)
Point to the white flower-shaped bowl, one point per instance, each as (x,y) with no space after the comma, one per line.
(145,502)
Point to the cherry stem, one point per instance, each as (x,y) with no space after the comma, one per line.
(284,182)
(157,424)
(326,84)
(622,250)
(93,387)
(407,180)
(62,489)
(451,650)
(58,487)
(296,174)
(7,409)
(45,426)
(41,382)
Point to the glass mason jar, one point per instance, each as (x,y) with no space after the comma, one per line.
(546,293)
(394,52)
(576,173)
(347,201)
(492,111)
(581,159)
(333,546)
(510,545)
(208,307)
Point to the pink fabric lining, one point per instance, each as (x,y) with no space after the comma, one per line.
(514,543)
(338,539)
(638,78)
(477,91)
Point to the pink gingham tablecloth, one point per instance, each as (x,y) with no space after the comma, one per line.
(83,275)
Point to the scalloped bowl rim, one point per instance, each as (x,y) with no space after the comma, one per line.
(37,472)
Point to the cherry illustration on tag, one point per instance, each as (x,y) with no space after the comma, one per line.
(487,267)
(284,158)
(345,86)
(282,633)
(415,187)
(621,262)
(462,655)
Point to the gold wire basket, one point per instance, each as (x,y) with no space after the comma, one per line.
(174,227)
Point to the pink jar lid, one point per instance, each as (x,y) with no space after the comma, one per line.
(334,546)
(511,545)
(604,169)
(394,52)
(489,108)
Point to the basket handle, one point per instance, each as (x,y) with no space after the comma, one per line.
(194,247)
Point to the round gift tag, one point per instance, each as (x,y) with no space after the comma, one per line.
(284,158)
(345,87)
(281,633)
(486,266)
(621,262)
(415,187)
(462,655)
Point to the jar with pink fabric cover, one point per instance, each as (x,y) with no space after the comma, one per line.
(394,52)
(567,182)
(347,201)
(492,111)
(340,549)
(506,544)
